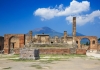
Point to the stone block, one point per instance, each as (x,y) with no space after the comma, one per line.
(27,53)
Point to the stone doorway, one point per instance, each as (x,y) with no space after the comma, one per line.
(0,48)
(14,44)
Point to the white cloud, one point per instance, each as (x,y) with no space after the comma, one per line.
(74,9)
(83,19)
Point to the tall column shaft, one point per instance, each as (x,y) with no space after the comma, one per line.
(30,36)
(65,36)
(74,28)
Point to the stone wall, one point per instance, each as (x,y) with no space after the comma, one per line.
(81,51)
(54,51)
(93,41)
(9,40)
(98,47)
(50,45)
(1,43)
(61,51)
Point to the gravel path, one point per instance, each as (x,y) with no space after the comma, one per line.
(68,64)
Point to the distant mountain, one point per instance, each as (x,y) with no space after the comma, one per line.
(77,34)
(47,30)
(51,32)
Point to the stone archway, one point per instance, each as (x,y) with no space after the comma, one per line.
(13,43)
(85,43)
(93,41)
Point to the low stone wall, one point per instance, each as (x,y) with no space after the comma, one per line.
(49,45)
(98,47)
(81,51)
(54,51)
(61,51)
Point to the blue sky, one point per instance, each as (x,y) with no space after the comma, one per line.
(21,16)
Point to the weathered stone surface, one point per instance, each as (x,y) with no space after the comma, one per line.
(93,46)
(27,53)
(74,28)
(81,51)
(98,47)
(13,41)
(17,41)
(1,43)
(54,51)
(72,50)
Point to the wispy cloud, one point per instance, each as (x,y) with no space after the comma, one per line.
(74,9)
(83,19)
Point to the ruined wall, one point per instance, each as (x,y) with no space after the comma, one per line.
(69,40)
(13,41)
(42,39)
(93,41)
(1,43)
(61,51)
(81,51)
(54,51)
(98,47)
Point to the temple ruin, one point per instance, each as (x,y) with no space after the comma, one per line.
(13,42)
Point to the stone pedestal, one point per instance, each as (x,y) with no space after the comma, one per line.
(27,53)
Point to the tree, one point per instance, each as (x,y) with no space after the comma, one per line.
(99,39)
(87,43)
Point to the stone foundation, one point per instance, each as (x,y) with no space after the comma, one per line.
(54,51)
(81,51)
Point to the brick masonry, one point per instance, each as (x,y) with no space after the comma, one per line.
(1,43)
(61,51)
(81,51)
(7,42)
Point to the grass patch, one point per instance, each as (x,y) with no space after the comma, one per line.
(66,56)
(46,61)
(37,66)
(46,58)
(7,68)
(98,59)
(50,60)
(23,60)
(9,56)
(56,57)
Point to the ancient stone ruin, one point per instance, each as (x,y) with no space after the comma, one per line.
(29,53)
(13,42)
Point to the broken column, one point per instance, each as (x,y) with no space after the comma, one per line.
(65,36)
(74,29)
(30,36)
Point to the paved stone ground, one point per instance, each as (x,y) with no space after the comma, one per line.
(68,64)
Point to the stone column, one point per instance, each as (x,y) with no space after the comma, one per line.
(65,36)
(56,39)
(30,36)
(74,29)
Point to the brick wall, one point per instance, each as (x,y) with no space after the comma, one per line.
(7,42)
(81,51)
(54,51)
(98,47)
(1,43)
(61,51)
